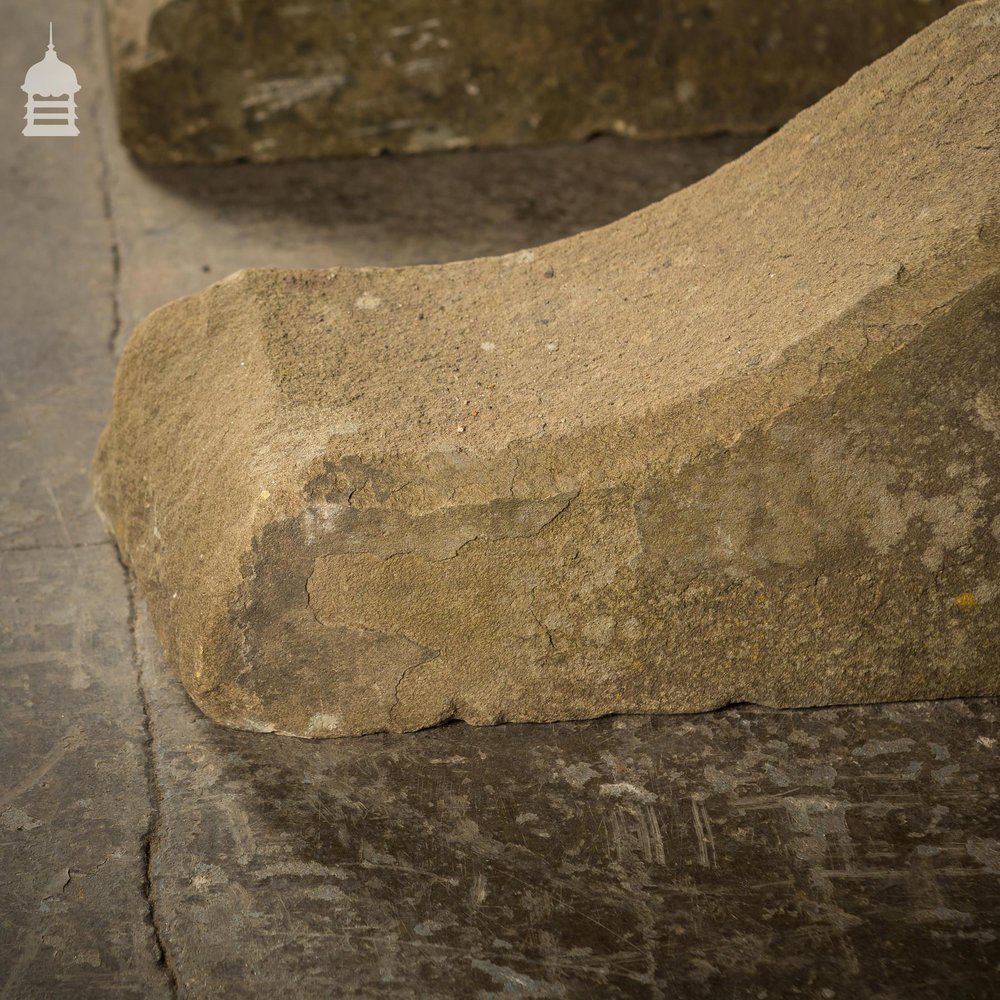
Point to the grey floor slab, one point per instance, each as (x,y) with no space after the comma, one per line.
(848,852)
(74,797)
(746,853)
(74,807)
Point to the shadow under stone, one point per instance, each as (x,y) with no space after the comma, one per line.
(459,204)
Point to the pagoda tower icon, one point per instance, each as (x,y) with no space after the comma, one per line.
(51,86)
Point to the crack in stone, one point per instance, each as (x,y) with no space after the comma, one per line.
(402,677)
(66,878)
(154,795)
(116,270)
(151,836)
(107,202)
(73,873)
(543,627)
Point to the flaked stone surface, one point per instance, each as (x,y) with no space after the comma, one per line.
(278,79)
(741,445)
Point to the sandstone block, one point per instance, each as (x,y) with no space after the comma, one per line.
(741,445)
(266,80)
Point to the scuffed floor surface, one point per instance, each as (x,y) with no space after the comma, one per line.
(144,852)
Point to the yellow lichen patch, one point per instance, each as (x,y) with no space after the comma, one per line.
(966,600)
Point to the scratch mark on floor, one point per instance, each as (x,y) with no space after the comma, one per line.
(69,741)
(703,831)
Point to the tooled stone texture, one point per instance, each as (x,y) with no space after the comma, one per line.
(271,80)
(739,446)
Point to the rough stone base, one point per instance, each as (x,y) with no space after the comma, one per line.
(740,446)
(277,79)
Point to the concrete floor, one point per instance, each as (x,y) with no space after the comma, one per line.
(844,852)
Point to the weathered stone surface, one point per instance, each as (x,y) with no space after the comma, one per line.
(266,80)
(739,446)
